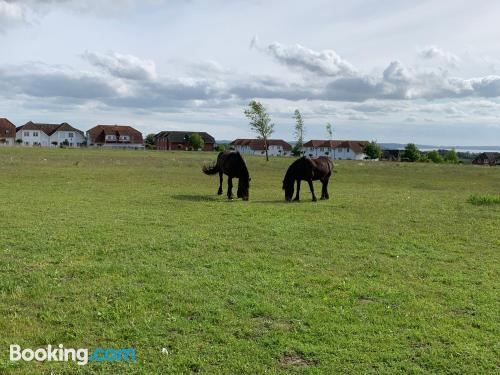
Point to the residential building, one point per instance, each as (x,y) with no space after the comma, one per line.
(178,140)
(275,147)
(338,150)
(7,132)
(487,158)
(50,135)
(115,136)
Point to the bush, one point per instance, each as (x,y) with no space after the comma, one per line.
(451,157)
(411,153)
(372,150)
(221,148)
(195,142)
(483,200)
(434,156)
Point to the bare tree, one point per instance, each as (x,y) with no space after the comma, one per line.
(260,122)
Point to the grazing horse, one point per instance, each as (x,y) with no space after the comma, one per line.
(232,164)
(308,169)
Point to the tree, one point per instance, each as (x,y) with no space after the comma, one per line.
(451,157)
(150,141)
(329,130)
(372,150)
(195,142)
(299,131)
(221,147)
(434,156)
(260,122)
(411,153)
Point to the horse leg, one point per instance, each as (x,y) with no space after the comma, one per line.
(327,196)
(312,190)
(219,192)
(230,188)
(298,191)
(323,190)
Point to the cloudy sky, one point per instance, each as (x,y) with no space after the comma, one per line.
(392,71)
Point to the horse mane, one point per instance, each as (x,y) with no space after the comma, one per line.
(290,173)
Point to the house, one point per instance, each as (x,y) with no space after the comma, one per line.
(7,132)
(50,135)
(115,136)
(178,140)
(338,150)
(487,158)
(275,147)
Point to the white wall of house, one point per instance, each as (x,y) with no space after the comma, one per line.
(8,141)
(38,137)
(74,138)
(273,150)
(339,153)
(33,137)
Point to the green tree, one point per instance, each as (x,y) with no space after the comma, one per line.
(260,122)
(195,141)
(411,153)
(299,131)
(451,157)
(372,150)
(221,147)
(434,156)
(150,142)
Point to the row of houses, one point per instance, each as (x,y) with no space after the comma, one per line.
(338,149)
(124,136)
(51,135)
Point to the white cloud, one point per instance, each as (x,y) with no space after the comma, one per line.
(436,53)
(11,13)
(326,62)
(122,66)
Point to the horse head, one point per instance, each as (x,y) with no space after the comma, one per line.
(288,188)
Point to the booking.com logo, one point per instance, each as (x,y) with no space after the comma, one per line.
(80,356)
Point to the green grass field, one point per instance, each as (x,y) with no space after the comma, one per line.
(397,273)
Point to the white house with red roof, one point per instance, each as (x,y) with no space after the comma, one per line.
(50,135)
(337,150)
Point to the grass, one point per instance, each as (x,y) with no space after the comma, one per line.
(481,200)
(397,273)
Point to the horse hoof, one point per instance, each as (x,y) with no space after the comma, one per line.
(314,199)
(219,192)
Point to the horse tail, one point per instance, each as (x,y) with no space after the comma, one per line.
(210,169)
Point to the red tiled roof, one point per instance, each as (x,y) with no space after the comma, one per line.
(49,129)
(7,129)
(98,133)
(258,144)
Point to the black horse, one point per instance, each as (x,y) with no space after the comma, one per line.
(308,169)
(232,164)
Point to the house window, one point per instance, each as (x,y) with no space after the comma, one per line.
(70,135)
(26,134)
(35,134)
(321,149)
(347,149)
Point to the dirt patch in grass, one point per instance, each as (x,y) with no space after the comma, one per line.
(295,359)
